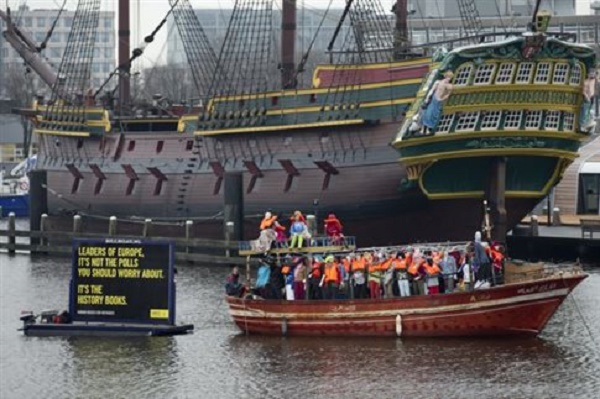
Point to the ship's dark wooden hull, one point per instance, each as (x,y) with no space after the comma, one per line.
(512,309)
(117,176)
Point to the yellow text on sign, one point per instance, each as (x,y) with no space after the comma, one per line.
(159,313)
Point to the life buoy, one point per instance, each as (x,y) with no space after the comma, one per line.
(24,186)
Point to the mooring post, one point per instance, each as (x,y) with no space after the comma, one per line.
(38,201)
(497,198)
(147,228)
(188,235)
(112,226)
(43,239)
(229,227)
(12,227)
(77,224)
(233,210)
(535,230)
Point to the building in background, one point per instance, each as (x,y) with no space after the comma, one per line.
(37,23)
(11,141)
(495,8)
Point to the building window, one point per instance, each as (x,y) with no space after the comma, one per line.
(189,145)
(552,120)
(505,73)
(524,72)
(512,120)
(108,23)
(533,120)
(41,22)
(542,72)
(131,145)
(484,74)
(575,75)
(568,121)
(491,120)
(445,123)
(467,121)
(463,75)
(68,22)
(560,73)
(159,146)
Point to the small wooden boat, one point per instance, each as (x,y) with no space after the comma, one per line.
(518,308)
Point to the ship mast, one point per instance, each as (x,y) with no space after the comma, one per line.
(124,64)
(288,44)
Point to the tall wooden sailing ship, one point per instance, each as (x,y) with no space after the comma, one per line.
(326,146)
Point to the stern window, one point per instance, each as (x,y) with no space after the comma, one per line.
(463,75)
(575,75)
(542,72)
(491,120)
(512,120)
(533,120)
(524,72)
(445,123)
(467,121)
(560,73)
(484,74)
(552,120)
(505,73)
(568,121)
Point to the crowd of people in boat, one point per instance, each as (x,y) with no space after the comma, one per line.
(375,274)
(273,233)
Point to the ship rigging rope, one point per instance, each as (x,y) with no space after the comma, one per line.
(43,45)
(245,60)
(199,52)
(137,52)
(75,68)
(306,54)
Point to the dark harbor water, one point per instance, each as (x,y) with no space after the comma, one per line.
(217,362)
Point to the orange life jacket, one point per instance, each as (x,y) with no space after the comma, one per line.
(358,264)
(331,273)
(266,223)
(433,269)
(413,268)
(385,264)
(399,264)
(346,264)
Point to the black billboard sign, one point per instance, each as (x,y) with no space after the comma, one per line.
(117,280)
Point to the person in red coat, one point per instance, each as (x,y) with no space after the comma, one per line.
(334,229)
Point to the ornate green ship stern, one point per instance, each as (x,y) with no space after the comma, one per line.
(499,120)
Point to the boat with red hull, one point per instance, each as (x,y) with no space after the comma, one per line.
(522,308)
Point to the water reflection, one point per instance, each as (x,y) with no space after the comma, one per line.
(146,366)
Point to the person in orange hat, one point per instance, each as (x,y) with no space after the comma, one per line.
(333,229)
